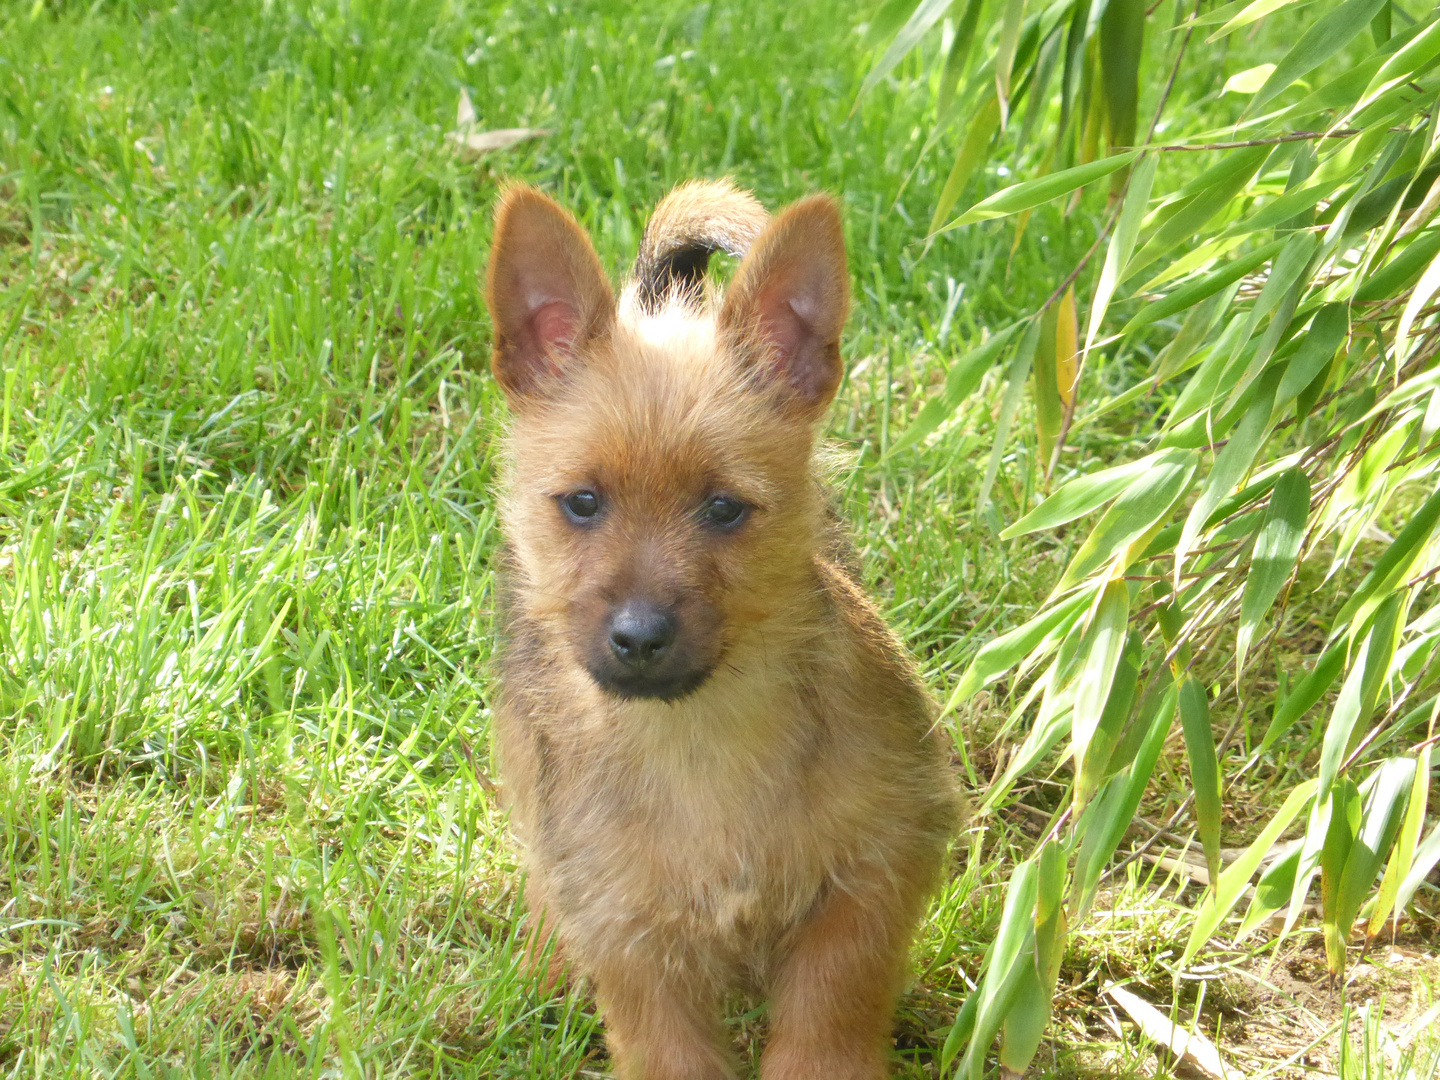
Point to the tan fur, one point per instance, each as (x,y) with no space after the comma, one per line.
(779,828)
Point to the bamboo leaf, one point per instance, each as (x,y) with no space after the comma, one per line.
(1326,334)
(1000,655)
(1305,695)
(1394,565)
(1104,822)
(1011,953)
(1426,856)
(1029,1013)
(1122,243)
(1024,1021)
(1286,207)
(1248,81)
(1380,819)
(1023,196)
(1272,892)
(1313,846)
(1419,296)
(889,19)
(1204,768)
(1014,389)
(1214,190)
(1252,12)
(1104,642)
(1191,294)
(1049,409)
(1080,496)
(1322,40)
(1144,504)
(958,57)
(1066,348)
(1231,464)
(1402,857)
(1098,759)
(1044,736)
(971,153)
(1277,546)
(960,382)
(926,14)
(1230,885)
(1400,271)
(1344,823)
(1011,20)
(1359,692)
(1122,39)
(1279,296)
(1418,52)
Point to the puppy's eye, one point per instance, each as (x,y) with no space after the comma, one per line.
(580,506)
(723,511)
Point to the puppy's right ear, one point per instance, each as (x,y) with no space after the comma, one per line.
(547,292)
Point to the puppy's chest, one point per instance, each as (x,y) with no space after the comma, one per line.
(715,832)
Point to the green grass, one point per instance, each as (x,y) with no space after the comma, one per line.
(247,824)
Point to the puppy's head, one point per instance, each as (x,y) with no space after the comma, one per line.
(660,500)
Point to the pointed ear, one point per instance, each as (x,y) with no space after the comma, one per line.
(547,292)
(787,304)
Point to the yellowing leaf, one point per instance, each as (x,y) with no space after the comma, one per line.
(1248,81)
(1066,335)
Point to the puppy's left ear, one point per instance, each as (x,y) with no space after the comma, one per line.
(786,308)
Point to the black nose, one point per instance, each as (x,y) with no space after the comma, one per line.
(640,634)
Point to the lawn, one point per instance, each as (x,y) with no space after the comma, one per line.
(248,825)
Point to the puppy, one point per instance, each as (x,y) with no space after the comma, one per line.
(721,765)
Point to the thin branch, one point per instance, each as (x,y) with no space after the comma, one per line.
(1294,136)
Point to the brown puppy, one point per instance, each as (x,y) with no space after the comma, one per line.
(719,760)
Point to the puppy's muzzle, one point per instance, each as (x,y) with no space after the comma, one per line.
(644,653)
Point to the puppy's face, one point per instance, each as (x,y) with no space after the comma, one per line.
(660,504)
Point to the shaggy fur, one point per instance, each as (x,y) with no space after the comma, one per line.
(774,816)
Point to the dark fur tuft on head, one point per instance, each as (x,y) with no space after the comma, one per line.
(693,222)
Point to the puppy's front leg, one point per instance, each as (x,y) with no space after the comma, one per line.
(659,1027)
(831,1005)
